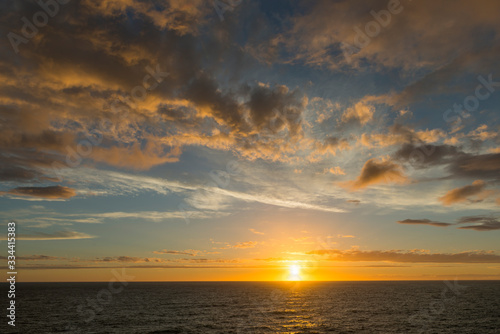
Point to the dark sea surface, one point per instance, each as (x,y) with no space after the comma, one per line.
(257,307)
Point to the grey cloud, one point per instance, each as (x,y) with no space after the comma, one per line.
(423,156)
(477,223)
(480,223)
(423,222)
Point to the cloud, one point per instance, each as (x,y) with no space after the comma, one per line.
(272,200)
(135,157)
(335,170)
(481,133)
(423,156)
(242,245)
(46,218)
(255,231)
(481,223)
(210,260)
(412,256)
(181,16)
(423,222)
(263,123)
(360,112)
(376,172)
(460,164)
(132,259)
(463,194)
(157,215)
(67,267)
(324,35)
(117,183)
(246,244)
(485,166)
(495,150)
(74,98)
(329,145)
(189,252)
(301,240)
(36,258)
(8,173)
(61,235)
(275,108)
(135,259)
(478,60)
(400,134)
(51,192)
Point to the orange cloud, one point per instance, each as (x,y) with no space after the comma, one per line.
(462,194)
(256,232)
(345,236)
(399,134)
(336,171)
(361,112)
(246,244)
(136,157)
(482,133)
(182,16)
(51,192)
(329,145)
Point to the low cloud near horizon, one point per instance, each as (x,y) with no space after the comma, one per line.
(480,223)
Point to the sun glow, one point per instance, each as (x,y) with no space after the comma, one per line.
(294,273)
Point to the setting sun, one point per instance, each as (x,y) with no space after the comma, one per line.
(294,273)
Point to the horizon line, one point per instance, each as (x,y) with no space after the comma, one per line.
(266,281)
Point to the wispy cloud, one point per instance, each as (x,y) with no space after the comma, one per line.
(157,215)
(413,256)
(61,235)
(190,252)
(122,183)
(254,231)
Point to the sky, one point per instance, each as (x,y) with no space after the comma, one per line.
(190,140)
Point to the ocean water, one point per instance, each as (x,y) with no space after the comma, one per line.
(257,307)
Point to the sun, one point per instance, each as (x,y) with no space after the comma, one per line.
(294,270)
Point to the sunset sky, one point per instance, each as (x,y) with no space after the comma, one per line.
(192,140)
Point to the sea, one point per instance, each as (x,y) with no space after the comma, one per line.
(256,307)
